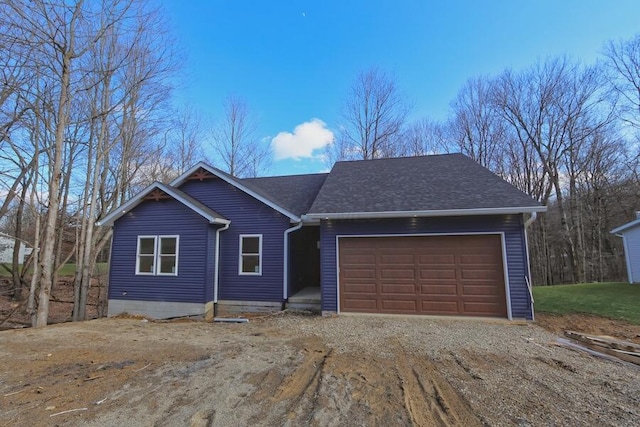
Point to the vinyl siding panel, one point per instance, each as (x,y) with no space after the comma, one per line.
(511,225)
(247,216)
(164,217)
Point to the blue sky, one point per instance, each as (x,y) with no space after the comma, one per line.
(294,61)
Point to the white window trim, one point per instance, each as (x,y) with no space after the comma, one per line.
(156,254)
(168,236)
(155,244)
(242,273)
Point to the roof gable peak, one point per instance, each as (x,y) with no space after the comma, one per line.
(158,191)
(202,171)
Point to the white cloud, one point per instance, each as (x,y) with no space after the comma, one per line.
(306,137)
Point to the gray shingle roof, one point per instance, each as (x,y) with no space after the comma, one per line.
(295,193)
(427,183)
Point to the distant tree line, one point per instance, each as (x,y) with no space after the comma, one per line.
(563,132)
(86,121)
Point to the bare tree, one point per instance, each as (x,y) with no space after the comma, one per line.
(424,137)
(554,109)
(129,65)
(17,76)
(622,60)
(374,114)
(83,95)
(235,143)
(181,148)
(476,125)
(186,140)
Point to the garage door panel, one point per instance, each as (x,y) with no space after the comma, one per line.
(404,306)
(477,259)
(481,290)
(397,272)
(480,308)
(360,273)
(435,243)
(366,305)
(477,274)
(438,274)
(440,307)
(354,258)
(449,275)
(394,259)
(437,259)
(440,289)
(394,289)
(359,288)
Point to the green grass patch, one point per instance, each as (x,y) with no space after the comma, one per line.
(613,300)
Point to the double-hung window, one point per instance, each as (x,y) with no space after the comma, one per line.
(157,255)
(250,254)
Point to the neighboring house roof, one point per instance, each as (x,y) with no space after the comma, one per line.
(212,216)
(240,184)
(626,227)
(294,192)
(448,184)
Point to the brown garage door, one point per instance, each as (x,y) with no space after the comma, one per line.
(446,275)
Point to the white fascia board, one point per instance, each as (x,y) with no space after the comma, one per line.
(135,201)
(232,181)
(430,213)
(626,226)
(126,206)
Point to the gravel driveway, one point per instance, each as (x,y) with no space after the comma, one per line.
(305,370)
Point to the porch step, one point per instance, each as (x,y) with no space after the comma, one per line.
(308,298)
(304,306)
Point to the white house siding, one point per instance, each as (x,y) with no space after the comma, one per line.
(6,250)
(632,253)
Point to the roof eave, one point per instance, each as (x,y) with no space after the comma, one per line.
(220,221)
(625,227)
(424,213)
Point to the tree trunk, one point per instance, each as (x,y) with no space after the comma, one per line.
(15,271)
(49,235)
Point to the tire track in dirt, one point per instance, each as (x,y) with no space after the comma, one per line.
(428,397)
(292,396)
(328,388)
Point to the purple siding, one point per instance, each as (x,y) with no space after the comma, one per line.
(247,216)
(511,225)
(164,217)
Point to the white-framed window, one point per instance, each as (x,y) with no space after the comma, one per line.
(157,255)
(250,254)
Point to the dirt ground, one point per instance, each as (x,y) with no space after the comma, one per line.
(60,303)
(308,370)
(590,325)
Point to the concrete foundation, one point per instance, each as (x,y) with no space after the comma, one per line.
(233,308)
(155,309)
